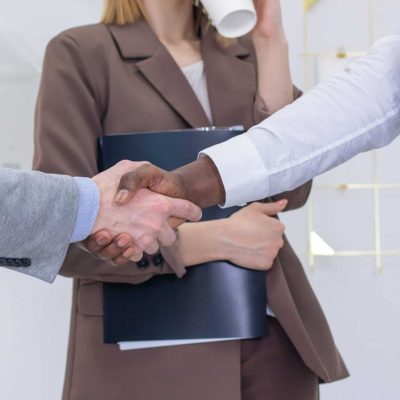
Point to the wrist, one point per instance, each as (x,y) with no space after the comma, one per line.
(202,182)
(201,242)
(226,244)
(221,247)
(277,39)
(105,217)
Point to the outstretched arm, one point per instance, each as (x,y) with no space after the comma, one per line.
(42,214)
(356,111)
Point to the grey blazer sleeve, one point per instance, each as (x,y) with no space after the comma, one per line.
(37,218)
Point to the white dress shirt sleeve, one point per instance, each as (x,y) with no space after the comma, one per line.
(355,111)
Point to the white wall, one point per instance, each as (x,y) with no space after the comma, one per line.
(362,306)
(34,316)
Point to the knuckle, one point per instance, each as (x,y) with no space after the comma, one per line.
(255,206)
(137,257)
(154,229)
(147,169)
(146,240)
(125,164)
(163,204)
(187,208)
(279,243)
(265,264)
(126,180)
(153,250)
(269,262)
(280,228)
(170,240)
(268,266)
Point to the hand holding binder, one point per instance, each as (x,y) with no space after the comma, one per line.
(217,300)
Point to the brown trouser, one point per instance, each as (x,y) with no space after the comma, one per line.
(271,369)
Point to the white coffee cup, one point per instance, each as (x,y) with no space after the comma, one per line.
(232,18)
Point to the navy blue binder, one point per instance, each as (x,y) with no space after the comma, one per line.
(213,300)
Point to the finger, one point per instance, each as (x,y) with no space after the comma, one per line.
(117,247)
(124,166)
(132,251)
(133,254)
(136,257)
(129,185)
(272,209)
(121,260)
(174,223)
(132,181)
(184,209)
(148,244)
(96,242)
(167,237)
(152,248)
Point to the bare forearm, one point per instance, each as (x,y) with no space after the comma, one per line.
(200,242)
(274,79)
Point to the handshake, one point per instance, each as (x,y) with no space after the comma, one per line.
(138,211)
(141,206)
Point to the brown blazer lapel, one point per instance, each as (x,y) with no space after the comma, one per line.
(231,80)
(138,41)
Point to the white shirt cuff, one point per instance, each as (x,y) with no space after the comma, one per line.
(242,170)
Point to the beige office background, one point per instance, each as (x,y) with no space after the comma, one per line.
(348,237)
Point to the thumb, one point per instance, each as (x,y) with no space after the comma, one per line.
(272,209)
(132,182)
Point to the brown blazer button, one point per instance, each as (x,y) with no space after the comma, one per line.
(143,263)
(158,259)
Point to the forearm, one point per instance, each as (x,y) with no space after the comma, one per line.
(274,79)
(200,242)
(35,240)
(355,111)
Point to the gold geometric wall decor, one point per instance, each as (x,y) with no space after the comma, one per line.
(308,4)
(318,247)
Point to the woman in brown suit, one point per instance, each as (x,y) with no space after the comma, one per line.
(139,71)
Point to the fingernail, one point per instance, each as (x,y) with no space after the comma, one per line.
(130,252)
(122,196)
(122,243)
(102,241)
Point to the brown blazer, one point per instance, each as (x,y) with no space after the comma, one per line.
(101,80)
